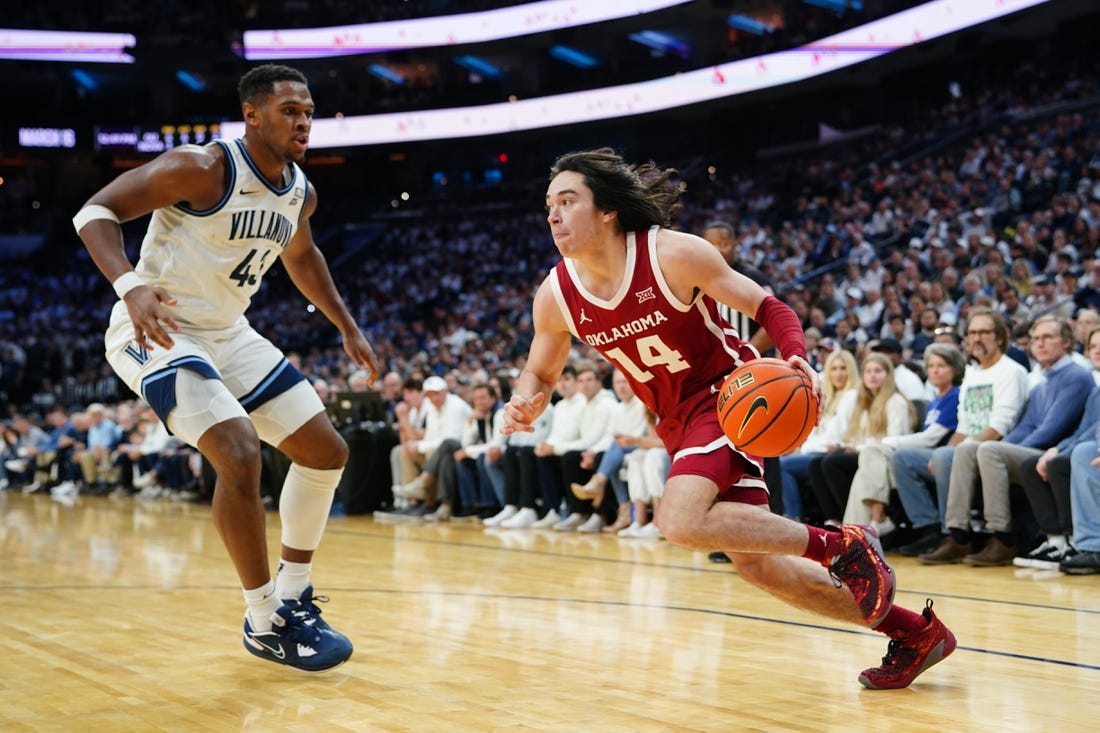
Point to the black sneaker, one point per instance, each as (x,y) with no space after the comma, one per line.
(927,539)
(1046,556)
(488,512)
(718,557)
(1083,563)
(411,513)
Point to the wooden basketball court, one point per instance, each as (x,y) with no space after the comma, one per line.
(126,615)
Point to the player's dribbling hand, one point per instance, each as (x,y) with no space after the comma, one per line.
(147,306)
(815,380)
(520,412)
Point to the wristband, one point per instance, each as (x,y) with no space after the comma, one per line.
(782,326)
(126,282)
(90,213)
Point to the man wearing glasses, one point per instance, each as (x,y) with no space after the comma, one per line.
(991,399)
(1053,410)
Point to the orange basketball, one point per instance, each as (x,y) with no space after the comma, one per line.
(767,407)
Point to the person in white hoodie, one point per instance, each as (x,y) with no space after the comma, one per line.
(521,477)
(565,427)
(477,462)
(447,413)
(595,414)
(626,425)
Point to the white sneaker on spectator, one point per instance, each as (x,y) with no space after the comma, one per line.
(3,484)
(65,488)
(507,512)
(570,523)
(442,513)
(149,492)
(649,532)
(415,489)
(145,480)
(16,465)
(522,519)
(552,517)
(593,524)
(65,493)
(885,527)
(32,487)
(631,531)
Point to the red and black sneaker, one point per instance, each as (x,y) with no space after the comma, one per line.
(909,654)
(862,568)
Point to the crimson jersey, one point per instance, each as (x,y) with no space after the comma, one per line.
(671,352)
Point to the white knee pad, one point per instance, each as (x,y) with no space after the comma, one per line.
(304,505)
(201,404)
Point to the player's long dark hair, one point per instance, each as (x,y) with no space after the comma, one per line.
(643,195)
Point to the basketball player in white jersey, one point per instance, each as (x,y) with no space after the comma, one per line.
(222,214)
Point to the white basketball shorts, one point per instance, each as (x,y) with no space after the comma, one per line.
(255,374)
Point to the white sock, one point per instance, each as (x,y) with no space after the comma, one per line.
(304,505)
(262,602)
(1058,540)
(292,579)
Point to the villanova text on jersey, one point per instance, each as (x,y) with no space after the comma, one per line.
(261,224)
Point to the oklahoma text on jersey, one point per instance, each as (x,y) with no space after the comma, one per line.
(635,328)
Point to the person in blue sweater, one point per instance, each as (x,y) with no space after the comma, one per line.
(1054,409)
(1084,481)
(1046,481)
(64,439)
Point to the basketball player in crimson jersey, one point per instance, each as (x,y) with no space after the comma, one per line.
(221,215)
(650,298)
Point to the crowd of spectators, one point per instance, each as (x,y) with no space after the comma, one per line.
(890,239)
(859,243)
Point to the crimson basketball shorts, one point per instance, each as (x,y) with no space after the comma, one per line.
(699,447)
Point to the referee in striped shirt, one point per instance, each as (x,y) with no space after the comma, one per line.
(721,235)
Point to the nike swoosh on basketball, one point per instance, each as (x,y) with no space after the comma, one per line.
(277,650)
(757,404)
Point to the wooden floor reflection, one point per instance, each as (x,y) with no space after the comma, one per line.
(126,616)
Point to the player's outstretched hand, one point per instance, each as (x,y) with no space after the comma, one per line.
(362,354)
(815,379)
(148,308)
(520,412)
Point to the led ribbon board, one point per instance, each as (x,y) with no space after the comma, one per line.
(886,35)
(446,30)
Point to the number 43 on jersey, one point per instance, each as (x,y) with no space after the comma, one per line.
(243,273)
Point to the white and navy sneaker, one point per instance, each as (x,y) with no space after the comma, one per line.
(296,640)
(308,604)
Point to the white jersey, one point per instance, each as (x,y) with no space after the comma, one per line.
(212,261)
